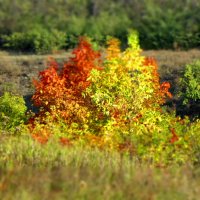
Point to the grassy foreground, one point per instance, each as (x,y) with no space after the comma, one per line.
(29,170)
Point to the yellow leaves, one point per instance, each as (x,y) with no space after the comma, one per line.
(117,108)
(126,81)
(113,50)
(133,40)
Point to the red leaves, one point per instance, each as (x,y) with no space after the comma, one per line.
(62,89)
(56,88)
(174,137)
(161,91)
(65,141)
(41,135)
(50,87)
(164,88)
(59,94)
(77,70)
(150,61)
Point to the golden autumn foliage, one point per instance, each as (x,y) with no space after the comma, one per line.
(116,103)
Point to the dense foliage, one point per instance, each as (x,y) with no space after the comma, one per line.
(191,81)
(189,93)
(12,112)
(112,102)
(161,24)
(38,41)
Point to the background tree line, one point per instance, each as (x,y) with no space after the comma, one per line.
(46,25)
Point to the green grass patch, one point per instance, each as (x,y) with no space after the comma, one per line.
(29,170)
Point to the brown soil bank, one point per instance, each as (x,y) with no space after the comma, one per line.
(17,71)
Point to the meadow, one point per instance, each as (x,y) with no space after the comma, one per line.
(29,170)
(115,134)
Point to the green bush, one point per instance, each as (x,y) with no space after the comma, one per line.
(12,111)
(18,41)
(189,92)
(36,40)
(191,83)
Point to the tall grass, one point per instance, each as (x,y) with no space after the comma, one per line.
(29,170)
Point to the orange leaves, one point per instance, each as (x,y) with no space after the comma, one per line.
(117,108)
(113,50)
(77,70)
(65,141)
(41,135)
(161,91)
(56,88)
(59,92)
(174,137)
(149,61)
(164,87)
(50,87)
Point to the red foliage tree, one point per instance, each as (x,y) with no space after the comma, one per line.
(62,89)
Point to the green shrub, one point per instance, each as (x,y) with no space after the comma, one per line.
(191,83)
(36,40)
(12,111)
(189,91)
(18,41)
